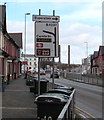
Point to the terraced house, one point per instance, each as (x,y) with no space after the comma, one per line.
(97,62)
(10,47)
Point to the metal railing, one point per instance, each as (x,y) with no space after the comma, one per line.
(67,112)
(88,78)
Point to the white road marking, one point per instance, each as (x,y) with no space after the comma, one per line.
(18,108)
(16,90)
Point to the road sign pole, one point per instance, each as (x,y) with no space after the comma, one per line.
(46,45)
(53,75)
(39,67)
(55,52)
(55,39)
(39,76)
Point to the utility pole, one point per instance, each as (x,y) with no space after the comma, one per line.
(25,40)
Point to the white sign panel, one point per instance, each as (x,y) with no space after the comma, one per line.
(45,18)
(46,39)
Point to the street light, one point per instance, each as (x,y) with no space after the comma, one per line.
(25,39)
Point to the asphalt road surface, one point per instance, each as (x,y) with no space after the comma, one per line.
(89,98)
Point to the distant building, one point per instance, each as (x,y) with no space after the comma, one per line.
(86,65)
(31,62)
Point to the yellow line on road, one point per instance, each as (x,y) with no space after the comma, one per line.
(88,114)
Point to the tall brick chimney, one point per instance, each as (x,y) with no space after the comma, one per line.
(3,17)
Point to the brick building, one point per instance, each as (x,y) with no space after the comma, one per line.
(31,62)
(10,45)
(97,62)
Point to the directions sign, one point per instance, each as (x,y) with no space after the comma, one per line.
(46,36)
(45,18)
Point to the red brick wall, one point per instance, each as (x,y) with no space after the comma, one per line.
(2,66)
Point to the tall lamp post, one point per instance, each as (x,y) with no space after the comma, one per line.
(25,39)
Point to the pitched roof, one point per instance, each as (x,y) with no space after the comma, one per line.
(102,49)
(17,37)
(95,54)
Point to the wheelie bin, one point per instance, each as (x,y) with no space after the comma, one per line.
(14,75)
(49,105)
(2,87)
(43,86)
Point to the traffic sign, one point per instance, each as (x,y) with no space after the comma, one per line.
(45,18)
(46,37)
(39,45)
(43,52)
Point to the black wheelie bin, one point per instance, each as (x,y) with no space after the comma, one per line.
(49,105)
(43,86)
(2,83)
(31,80)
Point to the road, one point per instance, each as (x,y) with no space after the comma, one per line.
(88,97)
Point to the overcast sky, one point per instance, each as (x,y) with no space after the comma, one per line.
(80,22)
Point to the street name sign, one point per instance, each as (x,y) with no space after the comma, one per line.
(44,18)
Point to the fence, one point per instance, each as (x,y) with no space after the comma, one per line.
(68,112)
(89,79)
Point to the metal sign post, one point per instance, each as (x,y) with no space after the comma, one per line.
(38,76)
(39,67)
(53,75)
(55,53)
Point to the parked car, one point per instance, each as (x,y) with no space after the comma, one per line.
(84,72)
(56,74)
(42,72)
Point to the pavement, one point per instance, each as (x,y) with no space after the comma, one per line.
(18,102)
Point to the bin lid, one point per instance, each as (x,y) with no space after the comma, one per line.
(64,87)
(34,76)
(52,98)
(2,76)
(62,91)
(42,80)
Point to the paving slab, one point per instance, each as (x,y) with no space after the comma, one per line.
(17,101)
